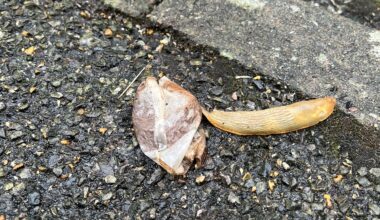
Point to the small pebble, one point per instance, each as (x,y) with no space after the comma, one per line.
(17,166)
(285,166)
(56,95)
(234,96)
(251,105)
(64,142)
(362,171)
(271,185)
(34,198)
(8,186)
(56,83)
(259,84)
(25,173)
(15,135)
(2,172)
(156,176)
(200,179)
(216,90)
(32,89)
(85,14)
(311,147)
(317,207)
(30,50)
(363,181)
(344,170)
(110,179)
(108,32)
(328,201)
(227,179)
(260,187)
(233,198)
(374,209)
(103,130)
(2,106)
(220,81)
(200,212)
(2,133)
(152,213)
(86,190)
(247,176)
(195,62)
(338,178)
(107,196)
(250,183)
(375,172)
(165,41)
(58,171)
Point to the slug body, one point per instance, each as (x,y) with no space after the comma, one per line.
(277,120)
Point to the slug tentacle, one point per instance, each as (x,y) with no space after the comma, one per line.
(277,120)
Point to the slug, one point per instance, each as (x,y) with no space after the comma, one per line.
(277,120)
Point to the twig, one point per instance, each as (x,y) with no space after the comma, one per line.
(130,84)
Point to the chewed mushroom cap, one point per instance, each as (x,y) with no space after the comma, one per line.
(166,118)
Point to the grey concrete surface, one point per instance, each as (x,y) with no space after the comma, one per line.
(305,46)
(134,8)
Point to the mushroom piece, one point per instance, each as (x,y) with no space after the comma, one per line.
(166,121)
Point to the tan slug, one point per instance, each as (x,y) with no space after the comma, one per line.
(275,120)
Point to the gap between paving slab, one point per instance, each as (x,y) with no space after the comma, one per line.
(309,49)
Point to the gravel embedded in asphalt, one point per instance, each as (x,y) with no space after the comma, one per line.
(61,73)
(367,12)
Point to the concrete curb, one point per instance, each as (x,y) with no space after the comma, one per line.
(305,46)
(134,8)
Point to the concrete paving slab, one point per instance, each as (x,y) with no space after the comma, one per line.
(134,8)
(305,46)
